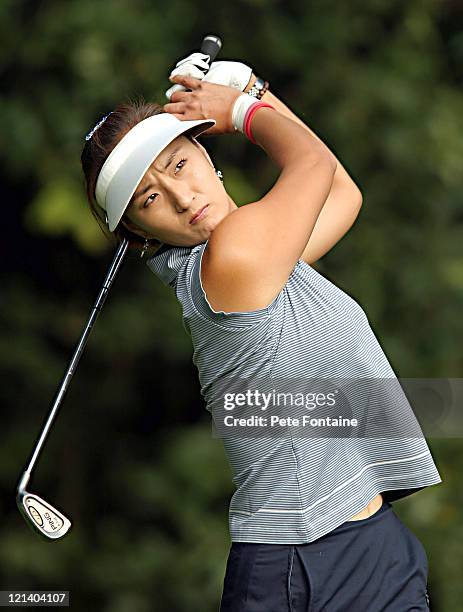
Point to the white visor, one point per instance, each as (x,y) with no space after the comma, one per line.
(131,157)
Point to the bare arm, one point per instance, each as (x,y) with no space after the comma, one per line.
(342,205)
(254,249)
(252,252)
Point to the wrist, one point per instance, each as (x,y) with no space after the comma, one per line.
(242,112)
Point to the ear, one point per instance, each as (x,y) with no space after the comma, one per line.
(126,222)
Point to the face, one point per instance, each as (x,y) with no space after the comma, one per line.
(166,199)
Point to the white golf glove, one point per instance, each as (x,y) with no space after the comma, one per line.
(228,73)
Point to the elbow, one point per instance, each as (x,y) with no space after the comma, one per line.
(355,195)
(358,197)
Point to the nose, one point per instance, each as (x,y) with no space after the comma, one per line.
(183,198)
(179,193)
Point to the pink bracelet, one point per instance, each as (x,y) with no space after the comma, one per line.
(249,115)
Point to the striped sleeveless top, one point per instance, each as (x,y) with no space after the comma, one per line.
(293,489)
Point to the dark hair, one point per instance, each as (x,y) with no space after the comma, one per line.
(96,150)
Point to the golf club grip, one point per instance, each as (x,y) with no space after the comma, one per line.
(210,45)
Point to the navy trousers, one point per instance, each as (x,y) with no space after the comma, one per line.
(375,564)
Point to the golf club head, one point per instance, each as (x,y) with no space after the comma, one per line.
(43,518)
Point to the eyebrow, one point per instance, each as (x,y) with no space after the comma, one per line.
(166,166)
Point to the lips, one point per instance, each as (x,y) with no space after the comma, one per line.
(198,214)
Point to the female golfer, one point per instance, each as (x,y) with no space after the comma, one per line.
(311,521)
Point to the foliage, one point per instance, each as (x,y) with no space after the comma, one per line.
(131,457)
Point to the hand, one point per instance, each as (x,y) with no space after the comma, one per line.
(204,101)
(231,74)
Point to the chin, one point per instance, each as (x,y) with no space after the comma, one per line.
(210,228)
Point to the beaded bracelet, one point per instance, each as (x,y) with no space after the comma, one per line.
(264,90)
(259,88)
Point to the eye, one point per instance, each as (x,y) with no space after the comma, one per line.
(180,162)
(149,200)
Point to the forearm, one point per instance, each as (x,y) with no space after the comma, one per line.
(341,174)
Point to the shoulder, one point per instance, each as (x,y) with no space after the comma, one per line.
(234,272)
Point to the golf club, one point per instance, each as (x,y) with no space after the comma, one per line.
(40,515)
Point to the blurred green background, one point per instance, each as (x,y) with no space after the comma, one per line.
(131,458)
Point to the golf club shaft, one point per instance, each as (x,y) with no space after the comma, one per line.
(115,265)
(210,45)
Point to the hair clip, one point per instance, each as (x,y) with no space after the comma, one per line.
(90,134)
